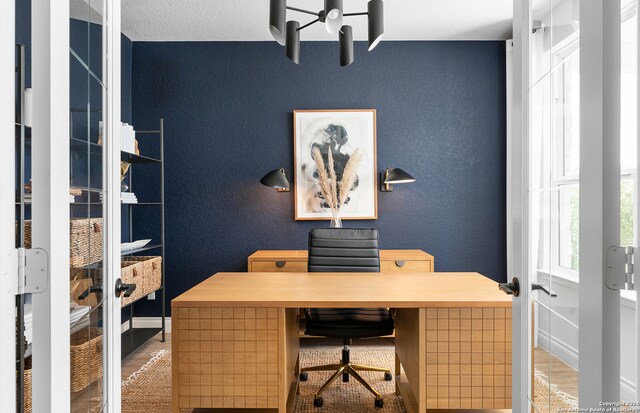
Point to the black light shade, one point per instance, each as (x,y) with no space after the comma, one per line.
(398,176)
(375,12)
(276,179)
(346,45)
(277,13)
(333,10)
(293,41)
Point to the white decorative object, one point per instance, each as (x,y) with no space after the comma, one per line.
(128,246)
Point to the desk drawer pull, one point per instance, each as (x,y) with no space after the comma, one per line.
(399,263)
(280,264)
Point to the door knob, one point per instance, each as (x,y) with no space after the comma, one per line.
(121,288)
(511,288)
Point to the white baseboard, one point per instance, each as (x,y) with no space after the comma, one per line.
(147,322)
(570,356)
(152,322)
(561,350)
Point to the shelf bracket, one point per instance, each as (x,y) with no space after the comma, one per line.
(620,271)
(33,270)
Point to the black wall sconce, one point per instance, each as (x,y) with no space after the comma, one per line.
(277,179)
(394,176)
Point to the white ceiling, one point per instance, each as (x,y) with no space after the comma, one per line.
(247,20)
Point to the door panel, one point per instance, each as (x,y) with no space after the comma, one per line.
(553,153)
(87,223)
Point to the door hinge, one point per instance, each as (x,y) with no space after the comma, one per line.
(33,270)
(620,271)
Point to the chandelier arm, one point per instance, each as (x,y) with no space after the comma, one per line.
(313,13)
(364,13)
(309,24)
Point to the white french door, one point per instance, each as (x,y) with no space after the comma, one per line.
(7,207)
(573,194)
(62,72)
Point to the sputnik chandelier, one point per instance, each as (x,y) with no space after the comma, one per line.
(287,33)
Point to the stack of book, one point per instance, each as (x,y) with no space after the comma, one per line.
(125,198)
(128,198)
(127,138)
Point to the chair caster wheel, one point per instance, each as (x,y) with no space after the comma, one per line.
(379,403)
(388,376)
(345,377)
(318,401)
(304,376)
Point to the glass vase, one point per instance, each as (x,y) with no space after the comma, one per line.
(336,222)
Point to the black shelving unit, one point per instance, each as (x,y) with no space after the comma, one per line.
(134,337)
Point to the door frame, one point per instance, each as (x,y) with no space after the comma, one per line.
(518,203)
(50,202)
(111,103)
(8,266)
(599,379)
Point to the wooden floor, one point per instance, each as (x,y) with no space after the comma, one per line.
(562,375)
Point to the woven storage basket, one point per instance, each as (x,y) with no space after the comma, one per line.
(86,357)
(85,243)
(145,272)
(85,240)
(27,234)
(28,400)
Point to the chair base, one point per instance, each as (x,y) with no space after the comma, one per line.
(346,369)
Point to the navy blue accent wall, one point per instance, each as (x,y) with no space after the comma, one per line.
(228,120)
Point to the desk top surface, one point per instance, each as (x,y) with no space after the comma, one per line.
(343,290)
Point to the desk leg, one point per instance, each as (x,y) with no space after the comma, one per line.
(468,358)
(288,358)
(397,370)
(175,365)
(226,358)
(411,355)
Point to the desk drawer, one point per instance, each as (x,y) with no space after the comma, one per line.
(278,266)
(400,266)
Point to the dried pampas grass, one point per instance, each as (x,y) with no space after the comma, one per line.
(333,181)
(323,177)
(336,193)
(349,175)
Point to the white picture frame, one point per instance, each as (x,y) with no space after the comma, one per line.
(344,130)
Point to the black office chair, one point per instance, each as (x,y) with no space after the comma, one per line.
(346,250)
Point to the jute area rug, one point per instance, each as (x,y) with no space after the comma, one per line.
(548,398)
(149,389)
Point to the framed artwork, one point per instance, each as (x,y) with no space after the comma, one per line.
(343,132)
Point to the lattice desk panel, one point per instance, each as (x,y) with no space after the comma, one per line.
(468,358)
(228,357)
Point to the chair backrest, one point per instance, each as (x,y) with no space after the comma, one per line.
(343,250)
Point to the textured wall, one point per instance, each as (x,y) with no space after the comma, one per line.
(228,120)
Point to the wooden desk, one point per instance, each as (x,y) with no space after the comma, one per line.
(235,337)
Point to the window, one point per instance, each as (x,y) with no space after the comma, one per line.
(555,135)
